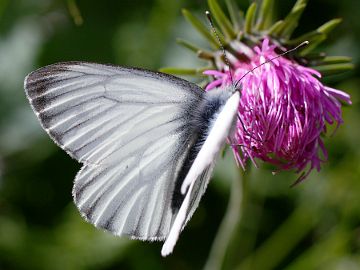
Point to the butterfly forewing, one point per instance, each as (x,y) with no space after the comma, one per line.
(130,128)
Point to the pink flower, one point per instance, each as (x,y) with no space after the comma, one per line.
(283,111)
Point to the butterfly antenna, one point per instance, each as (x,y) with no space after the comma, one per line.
(227,62)
(272,59)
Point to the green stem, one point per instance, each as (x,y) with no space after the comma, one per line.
(228,225)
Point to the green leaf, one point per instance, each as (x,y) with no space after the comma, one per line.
(331,64)
(315,56)
(292,20)
(332,69)
(206,55)
(221,19)
(201,53)
(322,31)
(300,3)
(317,36)
(75,12)
(236,17)
(310,36)
(329,26)
(312,45)
(188,45)
(184,71)
(199,26)
(336,60)
(276,28)
(249,18)
(265,14)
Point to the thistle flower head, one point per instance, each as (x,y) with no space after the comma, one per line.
(283,110)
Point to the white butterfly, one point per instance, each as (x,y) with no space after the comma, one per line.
(147,141)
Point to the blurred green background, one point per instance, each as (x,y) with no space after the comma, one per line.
(315,225)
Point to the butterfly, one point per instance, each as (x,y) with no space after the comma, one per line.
(147,142)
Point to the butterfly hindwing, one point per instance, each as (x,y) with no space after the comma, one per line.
(130,128)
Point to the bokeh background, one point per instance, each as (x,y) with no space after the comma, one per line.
(315,225)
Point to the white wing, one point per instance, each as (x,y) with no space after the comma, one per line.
(130,128)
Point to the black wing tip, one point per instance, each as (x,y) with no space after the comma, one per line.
(37,81)
(43,72)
